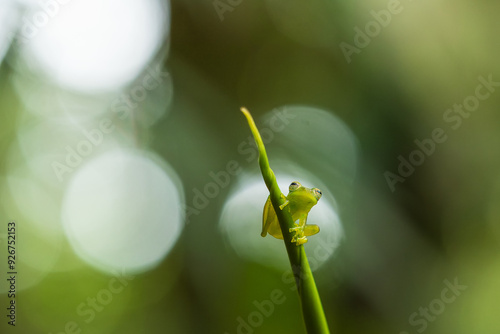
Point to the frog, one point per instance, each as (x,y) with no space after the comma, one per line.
(300,200)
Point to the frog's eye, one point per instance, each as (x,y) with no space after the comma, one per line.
(317,193)
(294,186)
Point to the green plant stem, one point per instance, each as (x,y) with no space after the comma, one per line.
(312,310)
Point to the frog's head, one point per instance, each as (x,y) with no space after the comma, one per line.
(305,196)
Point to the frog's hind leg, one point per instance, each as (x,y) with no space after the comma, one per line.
(270,222)
(267,217)
(311,230)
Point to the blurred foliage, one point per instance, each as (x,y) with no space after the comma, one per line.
(399,248)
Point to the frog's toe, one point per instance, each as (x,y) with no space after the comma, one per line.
(299,240)
(298,236)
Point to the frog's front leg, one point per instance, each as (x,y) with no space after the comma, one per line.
(284,203)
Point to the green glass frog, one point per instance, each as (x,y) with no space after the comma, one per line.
(300,201)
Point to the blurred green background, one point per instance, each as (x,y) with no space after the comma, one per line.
(133,182)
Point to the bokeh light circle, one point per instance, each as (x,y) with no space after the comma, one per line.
(94,45)
(123,210)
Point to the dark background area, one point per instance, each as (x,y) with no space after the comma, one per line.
(420,254)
